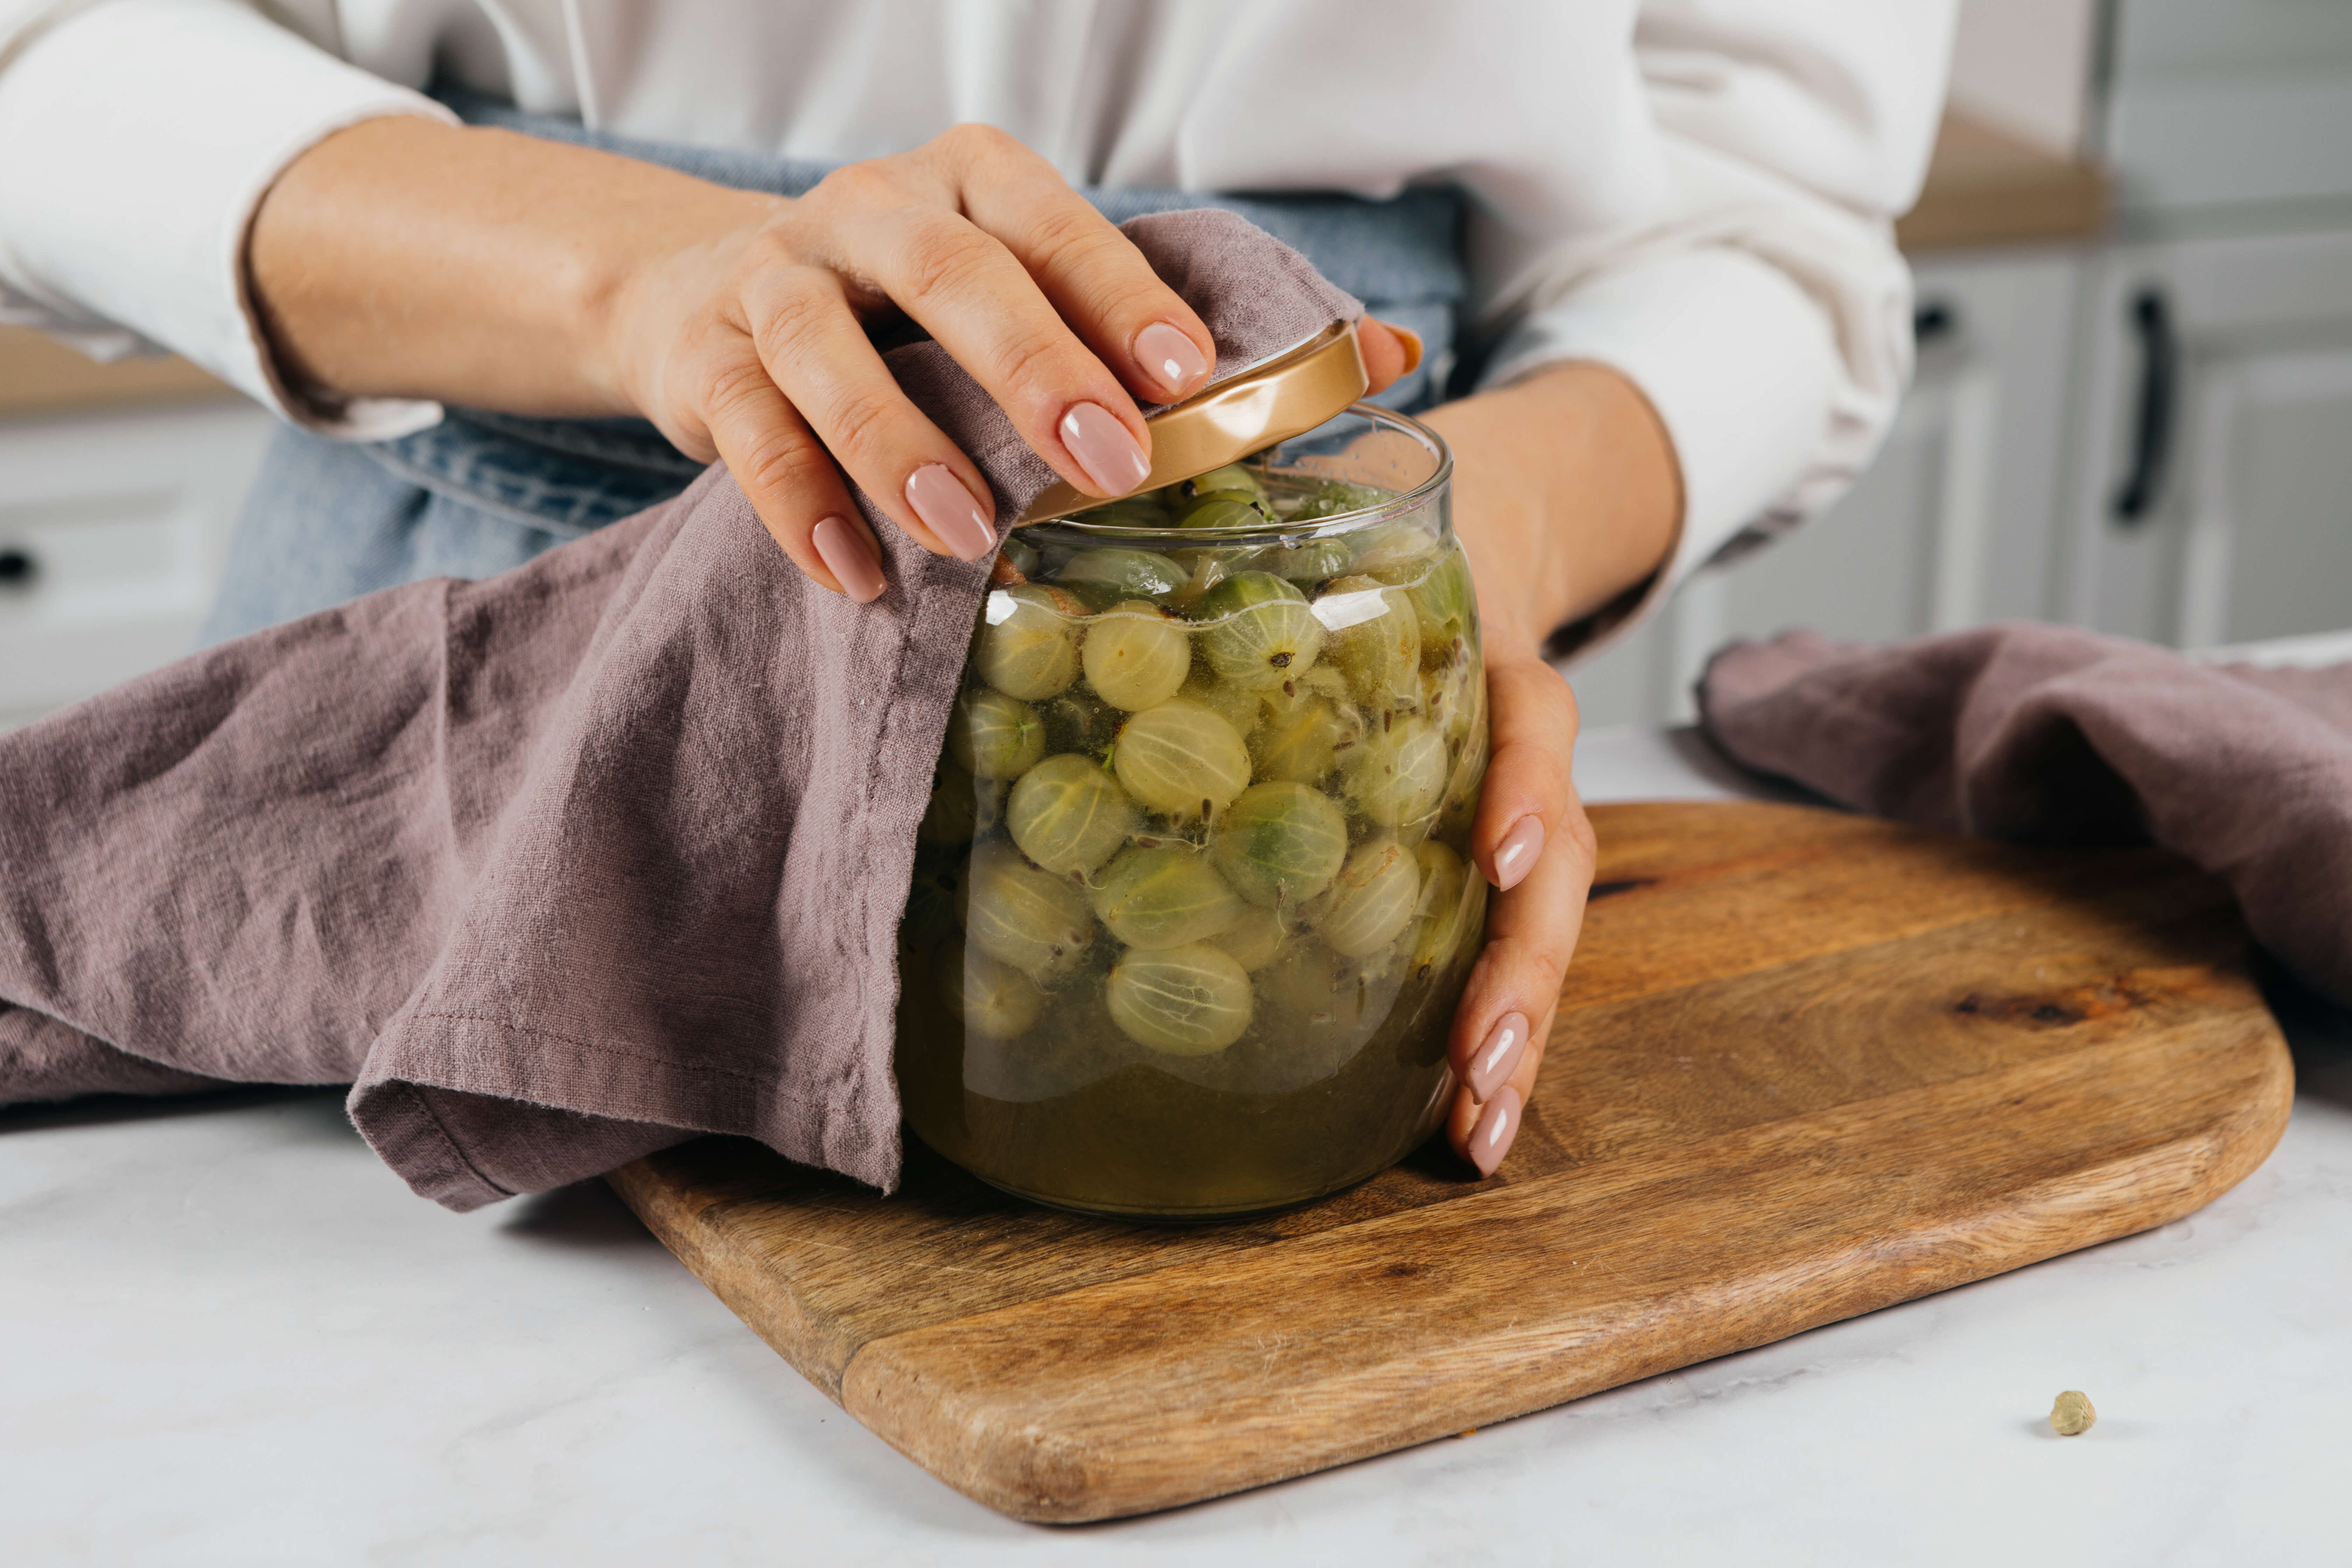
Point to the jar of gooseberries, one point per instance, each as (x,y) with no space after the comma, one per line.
(1193,903)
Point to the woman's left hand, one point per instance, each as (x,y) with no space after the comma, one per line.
(1566,494)
(1534,844)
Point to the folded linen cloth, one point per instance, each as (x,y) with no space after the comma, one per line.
(2043,734)
(554,868)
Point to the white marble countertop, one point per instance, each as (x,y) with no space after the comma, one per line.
(228,1335)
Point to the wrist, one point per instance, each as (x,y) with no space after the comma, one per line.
(408,257)
(650,263)
(1567,493)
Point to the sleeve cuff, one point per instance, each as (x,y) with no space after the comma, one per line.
(137,139)
(1736,358)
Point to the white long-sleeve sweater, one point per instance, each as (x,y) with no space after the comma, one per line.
(1699,193)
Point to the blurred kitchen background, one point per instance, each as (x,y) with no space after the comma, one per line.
(2133,410)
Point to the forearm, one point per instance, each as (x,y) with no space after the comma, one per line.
(1566,493)
(408,259)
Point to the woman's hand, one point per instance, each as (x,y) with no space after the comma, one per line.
(752,345)
(1566,494)
(408,257)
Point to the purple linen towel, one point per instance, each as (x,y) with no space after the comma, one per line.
(555,868)
(2043,734)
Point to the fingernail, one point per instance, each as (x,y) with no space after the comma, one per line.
(1104,448)
(1170,356)
(1491,1138)
(947,509)
(1515,856)
(847,556)
(1492,1062)
(1411,345)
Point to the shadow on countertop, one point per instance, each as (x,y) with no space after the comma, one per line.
(584,1217)
(107,1109)
(2318,1034)
(1693,747)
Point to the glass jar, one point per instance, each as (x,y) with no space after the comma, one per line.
(1192,902)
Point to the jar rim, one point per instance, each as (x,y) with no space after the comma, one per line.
(1322,527)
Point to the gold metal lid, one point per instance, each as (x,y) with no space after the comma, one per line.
(1272,400)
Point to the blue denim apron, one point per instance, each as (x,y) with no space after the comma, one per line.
(482,492)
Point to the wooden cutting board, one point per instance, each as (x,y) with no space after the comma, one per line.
(1807,1064)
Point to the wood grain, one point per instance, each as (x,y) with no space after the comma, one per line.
(41,376)
(1986,186)
(1807,1064)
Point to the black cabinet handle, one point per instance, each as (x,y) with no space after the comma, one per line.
(2159,368)
(1934,319)
(17,566)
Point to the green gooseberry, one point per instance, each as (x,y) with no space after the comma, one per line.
(1235,705)
(1028,642)
(1459,808)
(1398,554)
(1032,920)
(1069,815)
(1203,569)
(1096,597)
(1189,1001)
(1452,695)
(1447,909)
(1181,760)
(1301,736)
(1302,983)
(1225,508)
(1254,940)
(1335,497)
(1375,640)
(1164,897)
(1261,631)
(1445,604)
(1021,555)
(1280,844)
(1317,1003)
(993,999)
(1135,657)
(993,736)
(1303,559)
(1372,901)
(1234,477)
(1130,571)
(1397,776)
(1148,510)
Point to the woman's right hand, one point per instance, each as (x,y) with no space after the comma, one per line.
(752,345)
(404,258)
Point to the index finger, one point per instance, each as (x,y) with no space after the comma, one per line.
(1093,276)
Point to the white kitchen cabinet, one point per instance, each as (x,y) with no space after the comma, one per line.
(1954,525)
(112,531)
(2212,104)
(2213,502)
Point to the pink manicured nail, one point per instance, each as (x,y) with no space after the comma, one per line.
(1515,856)
(947,509)
(1171,357)
(849,558)
(1412,341)
(1491,1138)
(1104,448)
(1498,1057)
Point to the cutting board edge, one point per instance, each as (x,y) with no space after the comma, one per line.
(1038,1478)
